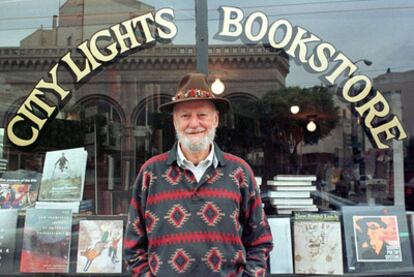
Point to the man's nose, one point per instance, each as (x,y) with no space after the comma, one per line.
(193,122)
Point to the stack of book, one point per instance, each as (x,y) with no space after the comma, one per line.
(291,193)
(63,181)
(3,165)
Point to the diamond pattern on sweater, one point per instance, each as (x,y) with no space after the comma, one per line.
(239,177)
(217,174)
(239,258)
(214,259)
(235,218)
(136,225)
(150,221)
(177,215)
(154,263)
(210,213)
(180,261)
(172,175)
(189,177)
(148,179)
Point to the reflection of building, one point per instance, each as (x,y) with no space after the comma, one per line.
(126,94)
(403,83)
(79,19)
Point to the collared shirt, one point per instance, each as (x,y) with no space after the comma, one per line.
(200,169)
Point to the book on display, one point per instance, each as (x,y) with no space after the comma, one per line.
(100,246)
(317,244)
(46,241)
(8,230)
(377,239)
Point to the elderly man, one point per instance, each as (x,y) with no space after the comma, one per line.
(196,211)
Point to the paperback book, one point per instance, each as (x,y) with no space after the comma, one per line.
(46,241)
(18,193)
(100,246)
(8,229)
(377,239)
(317,244)
(63,175)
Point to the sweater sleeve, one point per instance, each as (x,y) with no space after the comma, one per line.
(256,236)
(136,241)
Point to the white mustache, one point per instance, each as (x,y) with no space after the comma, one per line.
(196,130)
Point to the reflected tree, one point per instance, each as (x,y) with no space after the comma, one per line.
(269,125)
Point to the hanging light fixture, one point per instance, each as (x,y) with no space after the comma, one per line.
(294,109)
(311,127)
(217,87)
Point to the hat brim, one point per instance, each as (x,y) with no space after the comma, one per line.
(222,104)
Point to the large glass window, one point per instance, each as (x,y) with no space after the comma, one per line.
(287,118)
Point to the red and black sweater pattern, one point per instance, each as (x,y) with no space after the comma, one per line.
(178,226)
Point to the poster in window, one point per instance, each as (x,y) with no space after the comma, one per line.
(377,239)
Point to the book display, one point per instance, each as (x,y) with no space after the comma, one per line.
(291,193)
(100,246)
(46,241)
(63,181)
(63,175)
(377,239)
(18,193)
(8,229)
(280,258)
(317,244)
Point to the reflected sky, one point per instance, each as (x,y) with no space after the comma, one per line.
(376,30)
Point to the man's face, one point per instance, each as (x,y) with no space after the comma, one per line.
(375,231)
(195,123)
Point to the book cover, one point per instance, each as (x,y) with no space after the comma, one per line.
(377,239)
(100,246)
(18,193)
(46,241)
(317,244)
(280,257)
(8,229)
(63,175)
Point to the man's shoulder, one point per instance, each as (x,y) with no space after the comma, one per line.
(156,160)
(235,160)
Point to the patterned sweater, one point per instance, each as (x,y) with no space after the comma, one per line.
(178,227)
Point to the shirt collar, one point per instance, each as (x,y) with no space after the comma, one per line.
(183,162)
(218,155)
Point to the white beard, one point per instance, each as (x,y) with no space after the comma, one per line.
(196,145)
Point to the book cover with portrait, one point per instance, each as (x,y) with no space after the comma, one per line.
(377,239)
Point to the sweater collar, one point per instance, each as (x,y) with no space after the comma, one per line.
(172,155)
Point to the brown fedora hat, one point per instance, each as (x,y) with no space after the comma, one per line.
(194,87)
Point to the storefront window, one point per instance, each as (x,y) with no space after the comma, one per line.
(91,75)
